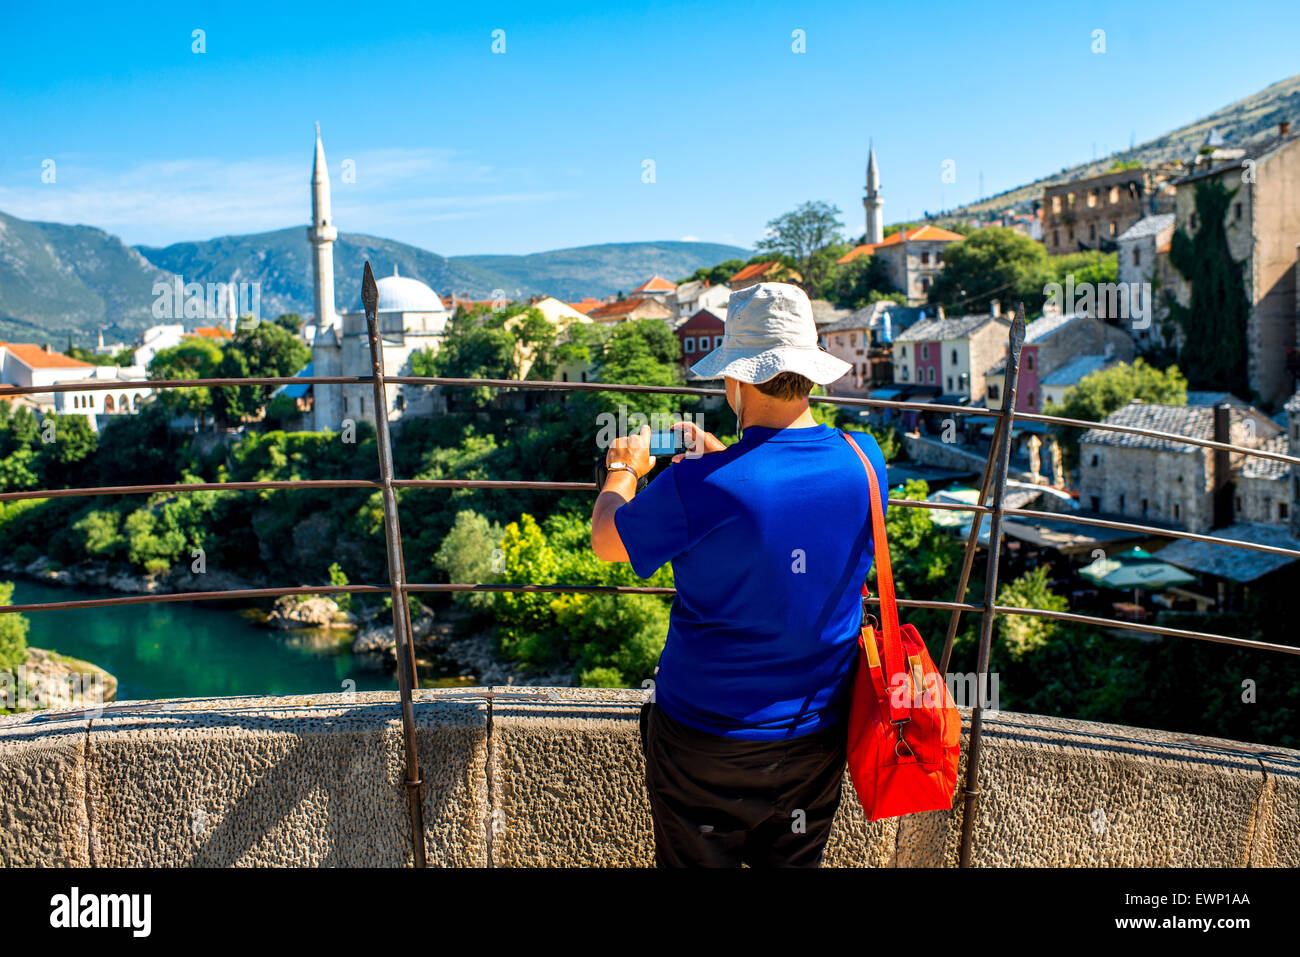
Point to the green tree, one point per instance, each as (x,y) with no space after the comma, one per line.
(289,321)
(466,556)
(1100,393)
(261,350)
(860,282)
(337,577)
(1214,323)
(720,273)
(475,345)
(804,234)
(13,633)
(996,263)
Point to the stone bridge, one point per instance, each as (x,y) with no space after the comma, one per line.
(534,777)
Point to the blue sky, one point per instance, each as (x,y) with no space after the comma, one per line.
(461,150)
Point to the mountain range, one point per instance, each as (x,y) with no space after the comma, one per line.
(59,281)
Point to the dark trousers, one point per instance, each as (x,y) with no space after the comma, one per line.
(719,802)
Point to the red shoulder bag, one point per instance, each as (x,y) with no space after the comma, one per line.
(904,729)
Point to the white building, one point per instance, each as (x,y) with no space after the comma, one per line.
(27,364)
(91,403)
(698,294)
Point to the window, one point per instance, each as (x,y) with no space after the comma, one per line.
(925,284)
(1177,510)
(839,341)
(905,373)
(938,257)
(584,375)
(853,338)
(1281,509)
(1114,195)
(1092,230)
(1121,503)
(401,402)
(925,259)
(1137,257)
(949,383)
(931,375)
(1069,234)
(954,356)
(1069,199)
(717,342)
(1236,210)
(1114,227)
(690,345)
(993,391)
(1092,198)
(904,352)
(1030,400)
(925,351)
(1096,504)
(1056,204)
(1236,503)
(1194,221)
(1094,461)
(1144,508)
(108,403)
(1056,237)
(564,377)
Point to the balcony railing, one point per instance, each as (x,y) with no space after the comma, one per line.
(991,497)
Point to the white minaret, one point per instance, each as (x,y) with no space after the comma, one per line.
(322,234)
(232,308)
(872,202)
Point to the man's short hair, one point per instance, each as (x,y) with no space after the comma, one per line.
(786,386)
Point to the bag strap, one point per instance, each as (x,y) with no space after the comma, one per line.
(893,658)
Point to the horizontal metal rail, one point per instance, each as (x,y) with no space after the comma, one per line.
(526,384)
(444,587)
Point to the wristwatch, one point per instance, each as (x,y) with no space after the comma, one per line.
(603,470)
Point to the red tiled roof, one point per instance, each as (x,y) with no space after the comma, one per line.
(612,310)
(586,304)
(35,357)
(656,284)
(921,233)
(755,269)
(211,332)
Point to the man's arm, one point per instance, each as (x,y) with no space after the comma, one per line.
(619,489)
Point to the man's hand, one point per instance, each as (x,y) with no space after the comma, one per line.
(634,450)
(697,440)
(619,489)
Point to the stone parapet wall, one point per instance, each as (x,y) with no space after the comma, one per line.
(538,777)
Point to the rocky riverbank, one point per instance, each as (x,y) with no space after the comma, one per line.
(441,644)
(48,679)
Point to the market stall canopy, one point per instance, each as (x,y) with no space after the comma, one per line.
(1135,569)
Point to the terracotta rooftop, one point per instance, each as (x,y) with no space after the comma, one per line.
(611,310)
(656,284)
(926,233)
(36,357)
(755,269)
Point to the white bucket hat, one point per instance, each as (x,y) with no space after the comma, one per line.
(770,329)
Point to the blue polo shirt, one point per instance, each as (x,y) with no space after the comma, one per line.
(770,541)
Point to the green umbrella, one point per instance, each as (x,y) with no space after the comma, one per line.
(1137,572)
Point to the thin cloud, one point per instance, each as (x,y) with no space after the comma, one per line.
(165,201)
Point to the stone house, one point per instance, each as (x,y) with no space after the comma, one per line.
(1140,477)
(913,257)
(1263,228)
(656,287)
(1144,258)
(950,356)
(1092,213)
(690,297)
(1050,343)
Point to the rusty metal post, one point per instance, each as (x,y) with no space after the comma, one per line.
(972,543)
(396,566)
(1015,340)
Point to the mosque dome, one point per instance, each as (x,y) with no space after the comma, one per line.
(404,294)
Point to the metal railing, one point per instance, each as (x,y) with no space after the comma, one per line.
(990,501)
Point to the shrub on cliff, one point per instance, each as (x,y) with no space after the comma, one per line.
(13,633)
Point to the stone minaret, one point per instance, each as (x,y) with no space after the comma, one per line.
(322,234)
(872,202)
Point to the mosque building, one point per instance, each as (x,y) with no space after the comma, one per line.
(411,319)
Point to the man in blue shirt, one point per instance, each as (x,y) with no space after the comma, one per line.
(770,541)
